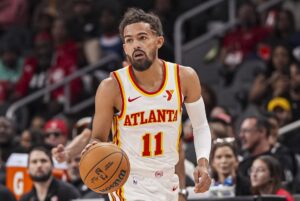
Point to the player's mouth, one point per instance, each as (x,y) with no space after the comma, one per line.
(139,55)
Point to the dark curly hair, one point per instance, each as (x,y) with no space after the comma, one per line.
(134,15)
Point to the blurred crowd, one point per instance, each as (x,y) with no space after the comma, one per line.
(43,41)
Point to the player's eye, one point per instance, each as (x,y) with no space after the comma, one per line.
(129,40)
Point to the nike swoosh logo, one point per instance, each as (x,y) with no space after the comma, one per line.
(133,99)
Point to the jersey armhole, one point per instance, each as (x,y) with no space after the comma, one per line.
(180,96)
(121,88)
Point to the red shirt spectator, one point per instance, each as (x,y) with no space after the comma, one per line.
(64,65)
(286,194)
(33,78)
(48,67)
(245,40)
(22,86)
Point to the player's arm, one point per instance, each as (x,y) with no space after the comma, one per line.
(105,101)
(194,104)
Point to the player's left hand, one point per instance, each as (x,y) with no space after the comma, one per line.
(202,179)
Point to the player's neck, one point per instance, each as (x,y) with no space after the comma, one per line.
(151,77)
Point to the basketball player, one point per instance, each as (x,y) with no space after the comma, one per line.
(144,103)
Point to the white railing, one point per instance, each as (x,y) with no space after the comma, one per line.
(66,84)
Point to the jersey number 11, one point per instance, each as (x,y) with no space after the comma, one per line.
(147,141)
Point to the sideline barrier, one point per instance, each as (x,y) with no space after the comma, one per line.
(239,198)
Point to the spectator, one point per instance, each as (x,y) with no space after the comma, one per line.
(36,67)
(5,194)
(74,176)
(265,177)
(283,153)
(81,136)
(221,123)
(37,123)
(254,137)
(274,81)
(218,129)
(241,43)
(282,109)
(29,138)
(64,64)
(7,138)
(11,65)
(45,186)
(285,30)
(65,46)
(56,132)
(224,166)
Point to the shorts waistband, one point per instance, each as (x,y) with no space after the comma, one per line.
(165,173)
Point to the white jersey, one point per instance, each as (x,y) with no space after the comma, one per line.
(149,125)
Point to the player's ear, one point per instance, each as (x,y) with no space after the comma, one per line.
(160,41)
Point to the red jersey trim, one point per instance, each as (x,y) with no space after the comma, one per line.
(144,92)
(116,75)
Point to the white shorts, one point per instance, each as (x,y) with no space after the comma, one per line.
(148,186)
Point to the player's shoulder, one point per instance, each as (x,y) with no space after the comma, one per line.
(186,72)
(109,85)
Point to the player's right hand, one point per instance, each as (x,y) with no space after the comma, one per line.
(59,153)
(87,147)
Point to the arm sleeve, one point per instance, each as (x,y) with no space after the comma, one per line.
(201,131)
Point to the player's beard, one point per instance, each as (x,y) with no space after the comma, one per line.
(142,64)
(40,178)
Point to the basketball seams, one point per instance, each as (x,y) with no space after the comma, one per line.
(117,175)
(114,172)
(98,164)
(92,148)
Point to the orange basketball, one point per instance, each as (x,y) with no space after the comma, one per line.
(104,167)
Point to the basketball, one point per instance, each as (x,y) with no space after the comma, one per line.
(104,167)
